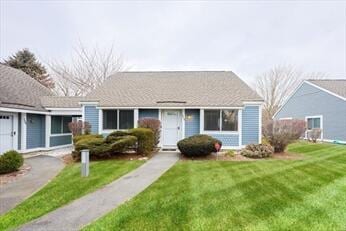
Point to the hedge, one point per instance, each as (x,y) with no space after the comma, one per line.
(10,161)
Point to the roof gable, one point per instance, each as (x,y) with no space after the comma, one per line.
(173,88)
(19,90)
(336,87)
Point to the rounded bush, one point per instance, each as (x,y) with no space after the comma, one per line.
(10,161)
(198,145)
(257,151)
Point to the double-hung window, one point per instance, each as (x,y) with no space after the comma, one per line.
(221,120)
(118,119)
(314,122)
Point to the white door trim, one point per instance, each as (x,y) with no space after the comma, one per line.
(179,131)
(14,128)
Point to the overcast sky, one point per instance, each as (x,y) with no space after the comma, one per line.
(245,37)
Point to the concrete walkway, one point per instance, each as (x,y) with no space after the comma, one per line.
(43,168)
(92,206)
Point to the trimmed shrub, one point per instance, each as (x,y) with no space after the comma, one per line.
(198,145)
(116,135)
(81,137)
(281,133)
(154,125)
(123,143)
(96,146)
(145,140)
(257,151)
(314,134)
(10,161)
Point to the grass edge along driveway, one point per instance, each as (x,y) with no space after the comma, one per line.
(308,194)
(67,186)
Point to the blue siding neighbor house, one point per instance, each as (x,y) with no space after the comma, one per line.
(31,116)
(322,104)
(217,103)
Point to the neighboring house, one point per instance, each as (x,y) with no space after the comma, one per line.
(322,104)
(31,117)
(187,103)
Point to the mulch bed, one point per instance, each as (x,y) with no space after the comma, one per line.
(12,176)
(237,157)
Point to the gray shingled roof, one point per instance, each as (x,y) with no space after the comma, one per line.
(173,88)
(61,101)
(18,90)
(337,86)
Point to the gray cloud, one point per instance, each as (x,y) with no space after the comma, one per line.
(246,37)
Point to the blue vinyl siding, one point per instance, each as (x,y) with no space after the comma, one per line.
(192,125)
(35,131)
(148,113)
(250,125)
(60,140)
(92,116)
(227,139)
(311,101)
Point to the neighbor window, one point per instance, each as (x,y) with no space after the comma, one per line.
(59,124)
(110,118)
(118,119)
(221,120)
(314,123)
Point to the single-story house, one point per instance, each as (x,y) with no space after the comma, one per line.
(322,104)
(217,103)
(31,116)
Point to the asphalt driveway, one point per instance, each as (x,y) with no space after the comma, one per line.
(43,169)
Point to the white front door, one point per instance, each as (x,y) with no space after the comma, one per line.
(171,127)
(6,133)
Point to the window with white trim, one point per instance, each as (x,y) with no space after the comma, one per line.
(221,120)
(59,124)
(118,119)
(314,122)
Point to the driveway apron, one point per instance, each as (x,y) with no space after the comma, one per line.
(94,205)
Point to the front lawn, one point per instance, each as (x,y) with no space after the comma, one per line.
(66,187)
(307,194)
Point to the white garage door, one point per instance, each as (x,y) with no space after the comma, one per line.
(6,133)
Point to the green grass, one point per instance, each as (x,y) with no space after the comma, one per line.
(307,194)
(66,187)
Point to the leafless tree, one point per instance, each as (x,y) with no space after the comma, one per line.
(277,84)
(87,69)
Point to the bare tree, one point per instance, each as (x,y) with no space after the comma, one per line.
(87,69)
(277,84)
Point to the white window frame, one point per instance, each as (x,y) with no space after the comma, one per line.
(135,119)
(202,131)
(321,124)
(62,127)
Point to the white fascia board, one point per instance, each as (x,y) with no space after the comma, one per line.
(253,102)
(63,108)
(6,109)
(76,112)
(325,90)
(186,107)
